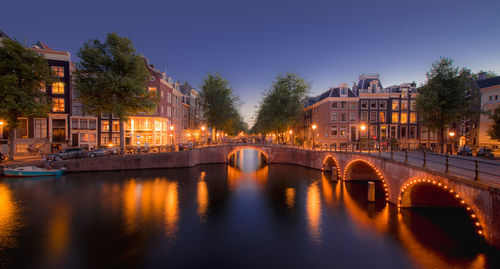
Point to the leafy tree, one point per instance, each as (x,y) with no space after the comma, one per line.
(112,79)
(220,105)
(22,75)
(448,96)
(282,106)
(494,131)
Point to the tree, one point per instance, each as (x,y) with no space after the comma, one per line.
(112,79)
(448,96)
(23,74)
(282,106)
(494,131)
(220,105)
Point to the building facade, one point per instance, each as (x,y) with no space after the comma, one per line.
(490,103)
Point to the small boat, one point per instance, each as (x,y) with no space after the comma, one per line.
(31,171)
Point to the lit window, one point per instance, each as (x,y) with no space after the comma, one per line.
(58,104)
(343,131)
(381,116)
(395,117)
(404,117)
(413,117)
(57,71)
(58,88)
(395,104)
(404,106)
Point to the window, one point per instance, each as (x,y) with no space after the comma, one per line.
(343,117)
(91,137)
(364,116)
(92,124)
(413,117)
(343,91)
(404,117)
(333,117)
(353,105)
(395,117)
(364,104)
(161,94)
(58,104)
(395,105)
(496,97)
(161,109)
(343,131)
(404,105)
(169,98)
(58,88)
(373,104)
(152,90)
(84,137)
(373,87)
(169,111)
(373,131)
(343,104)
(83,124)
(403,132)
(334,131)
(381,116)
(383,132)
(413,131)
(334,104)
(40,128)
(77,109)
(74,124)
(373,116)
(382,104)
(105,125)
(57,71)
(490,97)
(404,94)
(22,129)
(352,116)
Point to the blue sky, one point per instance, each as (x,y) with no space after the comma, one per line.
(250,42)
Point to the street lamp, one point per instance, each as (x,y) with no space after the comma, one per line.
(314,126)
(291,135)
(172,134)
(452,134)
(362,128)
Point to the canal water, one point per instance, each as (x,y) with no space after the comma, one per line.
(215,216)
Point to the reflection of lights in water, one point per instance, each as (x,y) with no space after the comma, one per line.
(290,197)
(130,204)
(247,169)
(313,206)
(58,232)
(427,257)
(327,189)
(8,217)
(171,208)
(202,197)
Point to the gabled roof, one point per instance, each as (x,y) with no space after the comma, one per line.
(364,83)
(489,82)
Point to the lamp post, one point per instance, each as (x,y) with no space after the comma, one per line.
(452,134)
(362,128)
(172,134)
(291,136)
(314,126)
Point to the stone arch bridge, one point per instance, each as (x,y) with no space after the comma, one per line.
(403,184)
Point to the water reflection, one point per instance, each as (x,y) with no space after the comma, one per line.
(9,217)
(247,215)
(313,206)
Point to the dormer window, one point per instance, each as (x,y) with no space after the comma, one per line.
(343,91)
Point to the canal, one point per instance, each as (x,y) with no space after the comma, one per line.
(246,215)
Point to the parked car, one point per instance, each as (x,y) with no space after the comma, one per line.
(485,152)
(66,154)
(97,153)
(464,150)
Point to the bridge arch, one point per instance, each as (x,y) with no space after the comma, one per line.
(264,152)
(365,171)
(331,164)
(451,198)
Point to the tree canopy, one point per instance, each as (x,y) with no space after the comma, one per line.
(23,75)
(112,78)
(494,130)
(448,95)
(281,107)
(220,105)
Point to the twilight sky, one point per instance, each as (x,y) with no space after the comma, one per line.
(250,42)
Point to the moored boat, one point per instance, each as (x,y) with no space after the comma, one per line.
(31,171)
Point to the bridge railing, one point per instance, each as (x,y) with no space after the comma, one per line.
(465,166)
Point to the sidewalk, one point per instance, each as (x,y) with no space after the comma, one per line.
(22,160)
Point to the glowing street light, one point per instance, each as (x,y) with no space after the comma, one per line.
(314,126)
(362,127)
(203,128)
(452,134)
